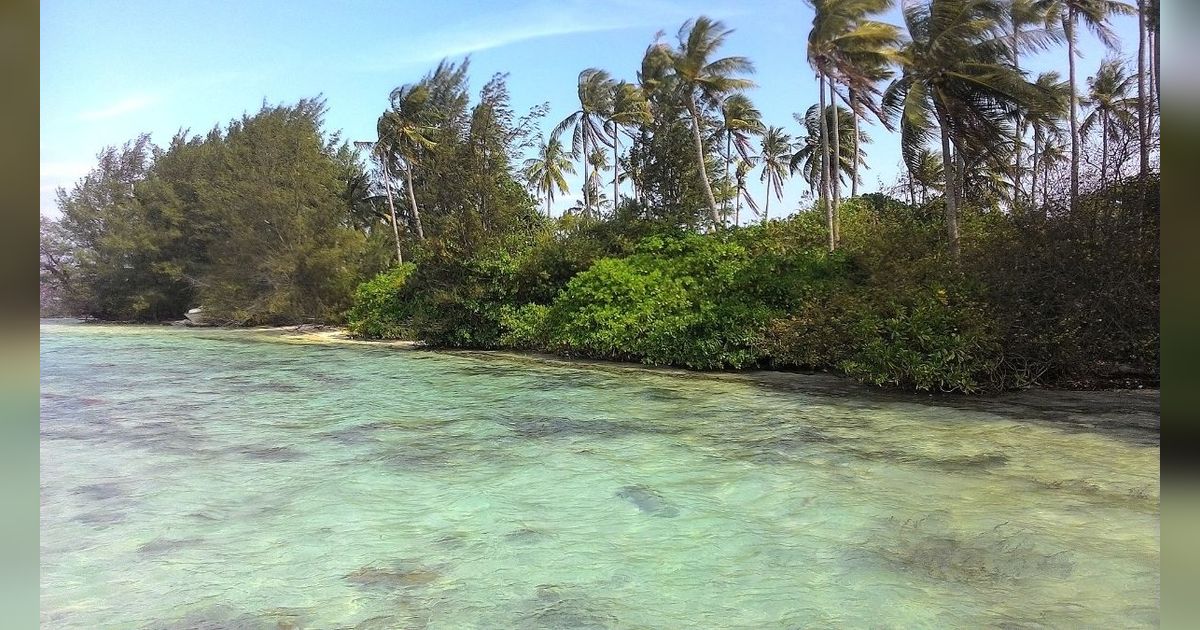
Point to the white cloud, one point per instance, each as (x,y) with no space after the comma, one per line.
(120,108)
(536,20)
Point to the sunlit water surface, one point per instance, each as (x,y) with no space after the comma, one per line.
(230,479)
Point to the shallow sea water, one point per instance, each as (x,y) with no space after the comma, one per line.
(233,479)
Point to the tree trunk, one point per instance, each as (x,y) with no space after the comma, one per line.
(836,171)
(767,208)
(616,168)
(387,184)
(825,163)
(854,140)
(1069,27)
(951,187)
(412,200)
(1017,139)
(728,161)
(1157,76)
(1143,107)
(1103,151)
(587,202)
(708,193)
(548,203)
(1033,172)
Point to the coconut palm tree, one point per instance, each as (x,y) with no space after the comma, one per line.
(958,78)
(404,132)
(739,120)
(629,109)
(1094,14)
(775,155)
(595,90)
(807,158)
(741,171)
(927,172)
(1113,110)
(706,81)
(1024,15)
(1046,119)
(845,47)
(547,172)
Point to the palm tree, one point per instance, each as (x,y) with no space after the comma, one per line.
(739,120)
(958,77)
(928,173)
(404,130)
(1046,119)
(744,165)
(376,151)
(807,158)
(1054,153)
(629,109)
(595,90)
(546,172)
(846,47)
(706,81)
(1024,14)
(775,155)
(1113,110)
(1094,14)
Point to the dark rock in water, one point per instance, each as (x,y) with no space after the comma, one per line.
(525,535)
(648,501)
(541,426)
(400,576)
(100,491)
(225,618)
(271,453)
(100,517)
(555,607)
(160,546)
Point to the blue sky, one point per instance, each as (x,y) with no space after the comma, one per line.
(113,69)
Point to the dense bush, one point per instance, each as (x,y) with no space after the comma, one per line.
(381,308)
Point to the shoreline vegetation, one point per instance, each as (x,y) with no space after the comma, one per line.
(1017,248)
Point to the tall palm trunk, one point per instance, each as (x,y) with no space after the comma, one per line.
(767,208)
(1103,151)
(387,185)
(1143,108)
(616,167)
(1069,27)
(412,200)
(728,161)
(708,193)
(951,176)
(825,164)
(1017,139)
(854,164)
(836,171)
(1033,168)
(587,203)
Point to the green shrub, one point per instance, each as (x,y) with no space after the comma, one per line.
(676,301)
(381,306)
(523,328)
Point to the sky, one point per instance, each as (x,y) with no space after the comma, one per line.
(112,69)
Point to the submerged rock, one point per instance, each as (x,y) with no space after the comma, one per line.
(400,576)
(648,501)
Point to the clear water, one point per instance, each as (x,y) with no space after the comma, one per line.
(232,479)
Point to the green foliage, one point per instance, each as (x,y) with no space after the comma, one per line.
(669,303)
(380,308)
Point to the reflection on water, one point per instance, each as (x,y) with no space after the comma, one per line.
(225,479)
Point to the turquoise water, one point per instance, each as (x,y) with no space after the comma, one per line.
(235,479)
